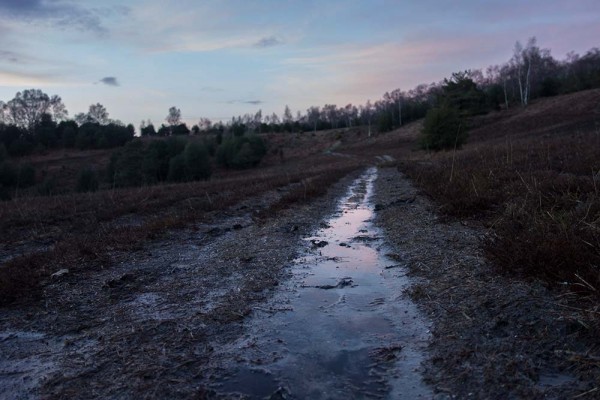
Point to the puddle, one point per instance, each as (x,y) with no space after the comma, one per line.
(345,330)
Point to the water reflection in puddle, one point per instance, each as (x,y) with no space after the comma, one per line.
(349,334)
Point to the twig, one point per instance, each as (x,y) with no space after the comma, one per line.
(588,392)
(586,283)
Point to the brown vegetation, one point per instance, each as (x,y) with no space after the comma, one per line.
(81,230)
(533,176)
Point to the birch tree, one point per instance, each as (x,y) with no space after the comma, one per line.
(366,113)
(397,97)
(287,116)
(174,116)
(313,114)
(522,60)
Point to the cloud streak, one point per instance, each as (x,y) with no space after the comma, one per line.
(211,89)
(253,102)
(12,57)
(19,79)
(59,14)
(270,41)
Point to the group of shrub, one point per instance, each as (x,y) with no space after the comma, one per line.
(241,152)
(13,177)
(178,159)
(173,160)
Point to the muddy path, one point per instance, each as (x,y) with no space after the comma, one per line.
(147,325)
(312,303)
(339,326)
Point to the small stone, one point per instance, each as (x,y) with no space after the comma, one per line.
(60,273)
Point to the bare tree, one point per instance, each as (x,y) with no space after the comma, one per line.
(313,114)
(351,113)
(330,112)
(505,77)
(3,113)
(28,107)
(205,124)
(522,61)
(97,113)
(366,114)
(174,116)
(257,122)
(288,118)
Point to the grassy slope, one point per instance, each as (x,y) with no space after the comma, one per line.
(533,177)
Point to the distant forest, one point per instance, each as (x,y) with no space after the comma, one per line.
(33,122)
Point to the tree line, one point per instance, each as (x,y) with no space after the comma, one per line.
(34,120)
(530,73)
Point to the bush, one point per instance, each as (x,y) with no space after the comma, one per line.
(175,145)
(155,165)
(8,175)
(197,161)
(87,180)
(226,152)
(385,123)
(3,153)
(211,145)
(25,176)
(550,87)
(125,167)
(241,152)
(443,129)
(177,171)
(21,147)
(67,132)
(48,187)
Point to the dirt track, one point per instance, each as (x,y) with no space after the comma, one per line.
(148,326)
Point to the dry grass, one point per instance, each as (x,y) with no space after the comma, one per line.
(84,229)
(538,192)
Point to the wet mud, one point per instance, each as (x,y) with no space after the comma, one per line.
(339,325)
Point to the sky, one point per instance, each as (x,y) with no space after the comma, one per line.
(220,58)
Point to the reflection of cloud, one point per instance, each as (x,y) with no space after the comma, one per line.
(110,81)
(59,13)
(268,42)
